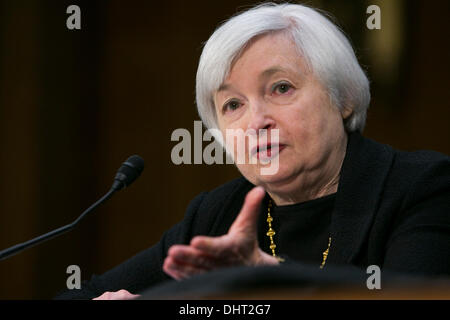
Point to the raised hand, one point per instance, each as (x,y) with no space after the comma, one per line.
(238,247)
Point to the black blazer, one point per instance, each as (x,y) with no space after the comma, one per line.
(392,209)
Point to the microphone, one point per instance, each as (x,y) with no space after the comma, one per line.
(128,172)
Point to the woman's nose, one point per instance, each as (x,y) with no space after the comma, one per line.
(260,117)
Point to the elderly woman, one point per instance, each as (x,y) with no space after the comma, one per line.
(335,198)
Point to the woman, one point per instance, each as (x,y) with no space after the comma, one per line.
(335,198)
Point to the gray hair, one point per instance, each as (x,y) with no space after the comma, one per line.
(326,50)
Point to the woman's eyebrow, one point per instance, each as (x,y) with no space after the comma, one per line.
(277,69)
(223,87)
(264,74)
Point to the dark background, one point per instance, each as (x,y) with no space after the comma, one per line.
(74,104)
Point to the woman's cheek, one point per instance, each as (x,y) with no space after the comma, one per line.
(250,172)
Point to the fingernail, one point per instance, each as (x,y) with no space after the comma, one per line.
(260,189)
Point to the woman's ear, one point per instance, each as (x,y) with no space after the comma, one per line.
(346,112)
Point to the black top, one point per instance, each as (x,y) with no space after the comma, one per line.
(392,209)
(302,229)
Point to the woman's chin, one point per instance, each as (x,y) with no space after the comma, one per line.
(274,178)
(274,174)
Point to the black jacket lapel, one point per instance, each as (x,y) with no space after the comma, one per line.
(364,171)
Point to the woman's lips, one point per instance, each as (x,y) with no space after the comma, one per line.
(267,151)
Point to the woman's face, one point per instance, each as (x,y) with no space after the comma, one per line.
(269,87)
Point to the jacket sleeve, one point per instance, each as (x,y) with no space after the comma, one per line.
(144,269)
(420,241)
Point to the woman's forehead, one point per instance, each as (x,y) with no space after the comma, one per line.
(267,49)
(268,55)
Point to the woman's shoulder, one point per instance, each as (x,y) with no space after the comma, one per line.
(421,179)
(422,158)
(225,194)
(404,166)
(214,211)
(421,166)
(400,179)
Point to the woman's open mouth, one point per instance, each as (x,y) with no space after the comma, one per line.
(267,151)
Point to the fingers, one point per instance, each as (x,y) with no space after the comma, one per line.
(184,261)
(117,295)
(192,256)
(247,219)
(238,247)
(179,270)
(218,248)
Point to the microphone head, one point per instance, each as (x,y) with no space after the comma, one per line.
(129,171)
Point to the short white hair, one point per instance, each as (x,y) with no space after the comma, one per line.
(323,46)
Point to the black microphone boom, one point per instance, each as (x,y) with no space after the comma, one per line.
(127,173)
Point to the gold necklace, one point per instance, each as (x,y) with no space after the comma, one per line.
(272,246)
(325,253)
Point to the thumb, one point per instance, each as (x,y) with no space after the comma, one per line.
(247,219)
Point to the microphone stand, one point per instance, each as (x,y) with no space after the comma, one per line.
(127,173)
(30,243)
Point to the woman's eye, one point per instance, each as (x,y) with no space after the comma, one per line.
(281,88)
(231,105)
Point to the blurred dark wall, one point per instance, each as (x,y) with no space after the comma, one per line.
(75,104)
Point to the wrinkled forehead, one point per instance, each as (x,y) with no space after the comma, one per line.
(263,56)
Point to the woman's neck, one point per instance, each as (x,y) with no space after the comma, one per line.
(316,184)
